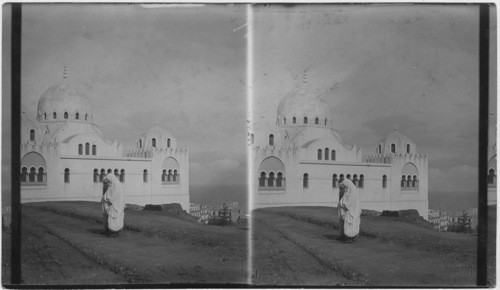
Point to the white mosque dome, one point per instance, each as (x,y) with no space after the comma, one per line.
(157,137)
(396,142)
(62,102)
(304,109)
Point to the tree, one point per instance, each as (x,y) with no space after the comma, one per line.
(463,224)
(224,215)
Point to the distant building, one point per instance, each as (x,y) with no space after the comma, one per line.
(64,156)
(439,220)
(301,160)
(466,218)
(434,219)
(443,222)
(194,210)
(206,212)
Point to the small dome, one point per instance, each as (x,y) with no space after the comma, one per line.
(61,102)
(157,137)
(307,109)
(396,142)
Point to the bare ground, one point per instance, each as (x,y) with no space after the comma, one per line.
(389,251)
(63,244)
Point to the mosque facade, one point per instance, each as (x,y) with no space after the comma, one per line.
(301,160)
(64,156)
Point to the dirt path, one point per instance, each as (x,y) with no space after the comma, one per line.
(368,261)
(278,261)
(145,257)
(47,260)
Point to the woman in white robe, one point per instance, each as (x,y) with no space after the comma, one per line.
(349,211)
(113,205)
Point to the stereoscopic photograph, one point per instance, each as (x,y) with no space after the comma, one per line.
(248,145)
(133,144)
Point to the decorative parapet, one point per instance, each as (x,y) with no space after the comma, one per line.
(149,152)
(388,158)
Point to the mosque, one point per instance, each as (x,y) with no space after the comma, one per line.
(301,160)
(65,156)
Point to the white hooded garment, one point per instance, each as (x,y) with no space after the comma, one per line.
(113,203)
(349,209)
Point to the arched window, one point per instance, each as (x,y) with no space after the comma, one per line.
(415,181)
(109,170)
(361,181)
(305,120)
(164,176)
(393,148)
(77,116)
(271,139)
(491,176)
(65,115)
(348,176)
(168,142)
(334,181)
(140,143)
(407,148)
(145,175)
(153,142)
(320,154)
(176,175)
(117,174)
(87,148)
(80,149)
(403,181)
(380,149)
(32,135)
(305,182)
(85,117)
(252,138)
(94,150)
(32,174)
(41,175)
(24,174)
(294,120)
(284,121)
(103,173)
(45,116)
(279,180)
(54,116)
(384,181)
(316,121)
(333,155)
(96,175)
(408,181)
(66,175)
(262,179)
(355,180)
(270,180)
(341,178)
(169,177)
(327,151)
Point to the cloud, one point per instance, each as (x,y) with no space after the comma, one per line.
(223,171)
(457,178)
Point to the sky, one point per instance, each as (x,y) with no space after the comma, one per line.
(180,66)
(380,67)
